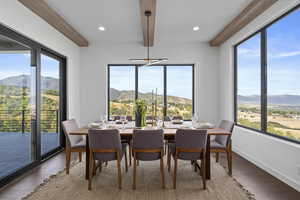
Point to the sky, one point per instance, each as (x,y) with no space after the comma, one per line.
(179,79)
(283,67)
(14,64)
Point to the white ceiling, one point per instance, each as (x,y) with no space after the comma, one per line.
(174,19)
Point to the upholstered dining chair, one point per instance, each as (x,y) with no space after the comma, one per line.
(74,143)
(189,145)
(148,145)
(222,143)
(105,145)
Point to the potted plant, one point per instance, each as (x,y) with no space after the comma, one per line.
(140,110)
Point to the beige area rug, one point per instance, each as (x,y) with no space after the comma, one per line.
(189,185)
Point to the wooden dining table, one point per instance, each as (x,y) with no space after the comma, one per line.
(169,133)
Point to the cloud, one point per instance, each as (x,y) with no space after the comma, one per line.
(248,52)
(286,54)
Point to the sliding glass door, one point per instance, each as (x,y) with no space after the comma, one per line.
(50,103)
(17,106)
(32,103)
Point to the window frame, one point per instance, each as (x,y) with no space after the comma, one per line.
(37,49)
(165,66)
(264,74)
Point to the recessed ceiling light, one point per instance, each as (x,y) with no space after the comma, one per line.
(196,28)
(101,28)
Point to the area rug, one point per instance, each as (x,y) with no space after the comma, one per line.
(189,185)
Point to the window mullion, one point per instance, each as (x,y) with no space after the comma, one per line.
(264,80)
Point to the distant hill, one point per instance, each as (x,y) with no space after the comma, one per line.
(48,83)
(130,94)
(273,99)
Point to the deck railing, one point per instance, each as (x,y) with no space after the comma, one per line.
(20,121)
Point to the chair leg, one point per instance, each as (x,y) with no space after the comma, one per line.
(68,160)
(130,152)
(203,169)
(175,172)
(91,171)
(169,160)
(217,156)
(126,162)
(100,166)
(229,161)
(80,156)
(106,163)
(134,173)
(119,171)
(195,165)
(162,171)
(94,167)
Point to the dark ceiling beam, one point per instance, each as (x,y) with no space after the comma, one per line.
(42,9)
(254,9)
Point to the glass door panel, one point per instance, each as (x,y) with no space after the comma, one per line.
(50,103)
(151,79)
(180,91)
(122,91)
(17,106)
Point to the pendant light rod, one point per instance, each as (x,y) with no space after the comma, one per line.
(148,14)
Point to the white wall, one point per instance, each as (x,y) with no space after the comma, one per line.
(278,157)
(94,61)
(14,15)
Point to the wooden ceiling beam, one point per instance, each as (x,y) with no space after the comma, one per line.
(42,9)
(148,5)
(254,9)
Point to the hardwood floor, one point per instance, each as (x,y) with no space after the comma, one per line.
(257,181)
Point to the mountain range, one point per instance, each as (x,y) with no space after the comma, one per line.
(130,94)
(48,83)
(51,83)
(272,99)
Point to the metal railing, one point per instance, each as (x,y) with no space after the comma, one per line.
(20,121)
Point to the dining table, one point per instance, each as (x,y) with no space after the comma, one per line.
(169,133)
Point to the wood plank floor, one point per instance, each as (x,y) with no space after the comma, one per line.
(260,183)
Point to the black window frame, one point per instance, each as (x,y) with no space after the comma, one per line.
(264,86)
(37,49)
(165,66)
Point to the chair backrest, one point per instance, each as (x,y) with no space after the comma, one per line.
(148,140)
(149,117)
(107,139)
(116,118)
(191,139)
(68,126)
(224,139)
(178,118)
(129,118)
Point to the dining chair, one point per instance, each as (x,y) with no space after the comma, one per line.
(148,145)
(222,143)
(105,145)
(74,143)
(177,117)
(189,145)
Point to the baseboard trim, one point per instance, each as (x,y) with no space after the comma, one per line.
(269,170)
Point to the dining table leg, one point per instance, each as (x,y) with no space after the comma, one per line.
(87,160)
(207,163)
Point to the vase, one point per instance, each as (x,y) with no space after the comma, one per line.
(140,120)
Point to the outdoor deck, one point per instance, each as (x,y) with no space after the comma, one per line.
(15,149)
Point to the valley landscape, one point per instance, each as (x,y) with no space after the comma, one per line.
(283,114)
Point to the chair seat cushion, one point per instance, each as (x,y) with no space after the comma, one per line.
(185,155)
(216,145)
(110,156)
(79,144)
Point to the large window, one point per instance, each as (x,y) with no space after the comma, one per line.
(267,67)
(32,102)
(172,83)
